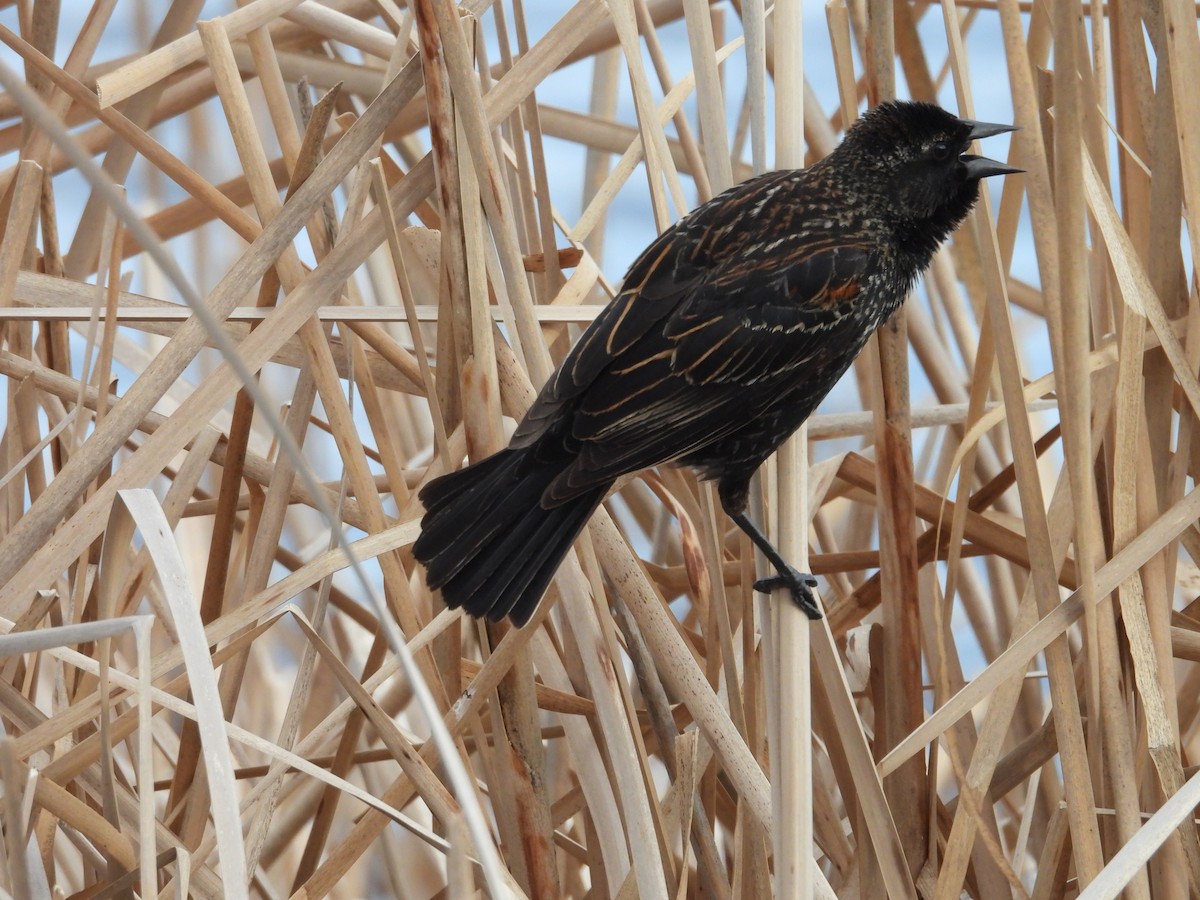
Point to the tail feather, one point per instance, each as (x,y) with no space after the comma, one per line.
(467,515)
(440,492)
(477,583)
(520,597)
(488,543)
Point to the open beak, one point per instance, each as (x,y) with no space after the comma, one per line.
(981,130)
(981,166)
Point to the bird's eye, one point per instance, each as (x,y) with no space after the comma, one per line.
(940,151)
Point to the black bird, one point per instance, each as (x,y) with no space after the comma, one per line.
(728,331)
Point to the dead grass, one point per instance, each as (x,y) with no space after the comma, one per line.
(208,482)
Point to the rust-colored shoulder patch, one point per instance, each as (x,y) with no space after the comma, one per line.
(843,291)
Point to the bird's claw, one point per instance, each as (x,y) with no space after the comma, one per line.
(799,584)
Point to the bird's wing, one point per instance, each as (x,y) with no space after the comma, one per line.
(654,286)
(667,274)
(726,354)
(760,319)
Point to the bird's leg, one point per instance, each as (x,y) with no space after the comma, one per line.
(799,583)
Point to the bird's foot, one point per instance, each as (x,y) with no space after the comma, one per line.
(800,584)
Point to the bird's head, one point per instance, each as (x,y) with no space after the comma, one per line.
(913,158)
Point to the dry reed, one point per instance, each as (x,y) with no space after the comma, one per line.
(246,312)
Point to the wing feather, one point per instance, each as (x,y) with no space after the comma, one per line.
(770,325)
(709,332)
(653,288)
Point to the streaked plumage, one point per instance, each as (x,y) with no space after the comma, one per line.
(728,331)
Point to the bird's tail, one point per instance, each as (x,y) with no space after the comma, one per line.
(488,542)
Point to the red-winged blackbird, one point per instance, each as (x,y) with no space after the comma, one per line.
(728,331)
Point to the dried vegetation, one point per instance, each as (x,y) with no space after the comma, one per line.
(222,674)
